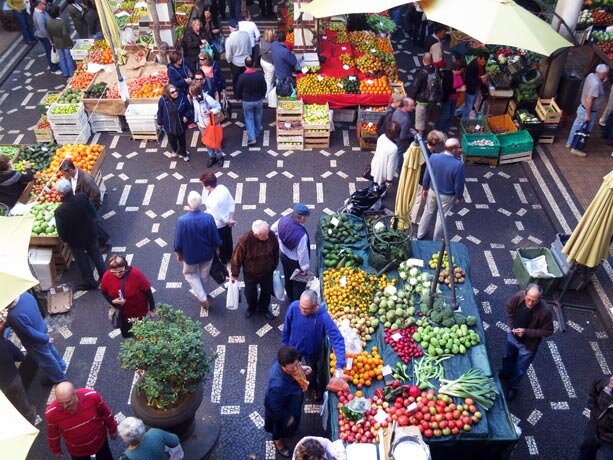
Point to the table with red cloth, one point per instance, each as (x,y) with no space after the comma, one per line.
(333,67)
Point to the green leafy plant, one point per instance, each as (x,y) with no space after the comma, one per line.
(169,349)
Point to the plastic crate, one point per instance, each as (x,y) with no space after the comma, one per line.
(524,278)
(501,124)
(490,151)
(469,126)
(78,117)
(81,48)
(43,108)
(517,142)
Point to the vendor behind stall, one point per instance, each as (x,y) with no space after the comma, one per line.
(285,63)
(13,183)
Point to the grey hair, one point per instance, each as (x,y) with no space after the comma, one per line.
(602,68)
(311,296)
(132,430)
(259,226)
(194,200)
(63,186)
(535,287)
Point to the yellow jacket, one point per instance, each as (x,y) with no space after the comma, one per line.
(17,5)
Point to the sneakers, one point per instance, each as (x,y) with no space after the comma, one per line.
(567,146)
(250,143)
(56,72)
(173,155)
(187,158)
(578,153)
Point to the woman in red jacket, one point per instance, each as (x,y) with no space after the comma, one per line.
(129,291)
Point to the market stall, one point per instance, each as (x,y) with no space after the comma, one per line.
(396,329)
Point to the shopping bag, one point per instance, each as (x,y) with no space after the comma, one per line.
(277,286)
(218,271)
(55,57)
(213,135)
(580,138)
(272,98)
(175,453)
(232,299)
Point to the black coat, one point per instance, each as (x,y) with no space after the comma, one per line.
(12,184)
(601,414)
(471,77)
(283,399)
(75,222)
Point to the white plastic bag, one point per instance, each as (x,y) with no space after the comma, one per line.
(314,285)
(232,296)
(176,453)
(272,98)
(55,57)
(353,343)
(537,267)
(277,286)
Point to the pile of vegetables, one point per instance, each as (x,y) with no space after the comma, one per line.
(433,262)
(438,341)
(338,228)
(39,155)
(95,91)
(428,369)
(458,276)
(335,255)
(473,384)
(393,244)
(393,307)
(402,342)
(415,281)
(381,24)
(9,150)
(441,314)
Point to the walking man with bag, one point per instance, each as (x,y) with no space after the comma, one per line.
(39,19)
(196,242)
(251,89)
(257,252)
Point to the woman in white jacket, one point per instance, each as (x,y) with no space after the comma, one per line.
(385,160)
(205,107)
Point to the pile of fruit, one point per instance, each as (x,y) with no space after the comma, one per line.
(51,98)
(43,123)
(337,256)
(362,40)
(49,195)
(151,86)
(441,314)
(289,125)
(384,45)
(362,368)
(39,155)
(458,276)
(83,156)
(368,64)
(481,143)
(69,96)
(100,56)
(357,427)
(403,344)
(44,220)
(368,129)
(600,16)
(42,181)
(316,114)
(96,91)
(9,150)
(393,307)
(440,341)
(351,84)
(341,32)
(81,80)
(375,86)
(64,109)
(289,39)
(347,59)
(312,84)
(338,228)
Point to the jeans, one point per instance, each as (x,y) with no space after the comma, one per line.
(47,45)
(593,449)
(579,120)
(430,210)
(66,63)
(24,25)
(443,123)
(251,292)
(49,360)
(196,275)
(464,109)
(16,394)
(104,453)
(82,256)
(253,119)
(516,360)
(293,289)
(225,250)
(177,143)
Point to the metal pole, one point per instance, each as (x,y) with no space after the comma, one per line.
(104,24)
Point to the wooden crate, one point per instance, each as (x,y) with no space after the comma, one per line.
(316,139)
(547,139)
(491,161)
(515,158)
(289,110)
(43,134)
(286,146)
(368,143)
(548,111)
(398,88)
(143,136)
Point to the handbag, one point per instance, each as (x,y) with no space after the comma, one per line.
(55,57)
(580,138)
(213,135)
(115,314)
(218,271)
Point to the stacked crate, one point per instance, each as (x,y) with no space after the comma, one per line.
(69,128)
(104,123)
(142,122)
(368,119)
(290,130)
(550,114)
(316,123)
(43,132)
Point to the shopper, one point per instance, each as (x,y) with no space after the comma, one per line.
(420,91)
(23,19)
(448,172)
(453,86)
(128,290)
(417,24)
(143,444)
(251,89)
(13,183)
(179,73)
(196,242)
(257,253)
(10,380)
(592,100)
(75,220)
(530,320)
(266,62)
(83,419)
(92,20)
(475,79)
(434,46)
(385,160)
(26,321)
(284,62)
(174,113)
(219,203)
(205,108)
(307,324)
(238,48)
(434,141)
(314,447)
(192,43)
(60,37)
(294,245)
(395,102)
(212,30)
(403,118)
(75,11)
(210,76)
(40,18)
(251,28)
(597,440)
(284,397)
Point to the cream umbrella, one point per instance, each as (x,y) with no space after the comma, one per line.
(496,22)
(16,433)
(409,180)
(328,8)
(15,275)
(590,241)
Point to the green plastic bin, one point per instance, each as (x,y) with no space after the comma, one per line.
(491,151)
(468,126)
(516,142)
(524,278)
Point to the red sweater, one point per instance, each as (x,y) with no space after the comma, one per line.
(84,430)
(137,286)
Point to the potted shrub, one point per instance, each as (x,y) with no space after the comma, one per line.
(168,351)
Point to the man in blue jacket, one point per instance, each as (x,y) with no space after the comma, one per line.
(306,325)
(285,64)
(196,242)
(25,319)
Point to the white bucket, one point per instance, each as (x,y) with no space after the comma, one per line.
(410,447)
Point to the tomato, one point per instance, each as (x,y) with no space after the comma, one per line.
(403,420)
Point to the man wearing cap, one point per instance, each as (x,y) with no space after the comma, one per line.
(294,245)
(75,220)
(238,48)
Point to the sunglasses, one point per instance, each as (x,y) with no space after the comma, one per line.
(174,91)
(198,79)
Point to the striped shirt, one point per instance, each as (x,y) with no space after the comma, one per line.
(84,430)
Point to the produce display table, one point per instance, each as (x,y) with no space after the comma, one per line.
(494,436)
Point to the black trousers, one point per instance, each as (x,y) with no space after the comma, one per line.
(236,72)
(177,142)
(293,289)
(225,250)
(103,454)
(82,257)
(266,8)
(219,8)
(251,292)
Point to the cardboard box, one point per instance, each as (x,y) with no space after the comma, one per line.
(42,266)
(59,299)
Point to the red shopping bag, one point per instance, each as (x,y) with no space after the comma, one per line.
(213,135)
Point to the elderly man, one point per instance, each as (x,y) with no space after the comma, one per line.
(598,436)
(196,242)
(402,117)
(257,252)
(75,220)
(448,172)
(307,323)
(83,419)
(529,319)
(294,244)
(592,100)
(238,48)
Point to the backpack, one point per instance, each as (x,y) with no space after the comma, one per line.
(433,89)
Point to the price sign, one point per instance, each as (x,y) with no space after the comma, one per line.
(373,50)
(370,82)
(386,370)
(324,37)
(343,281)
(344,48)
(340,85)
(397,336)
(334,221)
(381,416)
(320,77)
(349,363)
(352,77)
(305,69)
(415,263)
(345,66)
(370,124)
